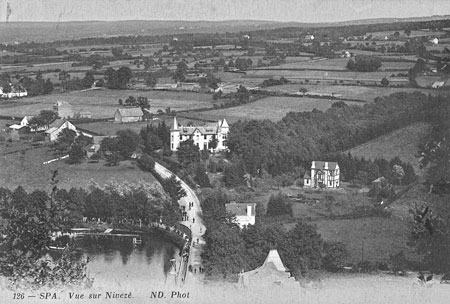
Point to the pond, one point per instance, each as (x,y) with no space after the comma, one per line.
(115,262)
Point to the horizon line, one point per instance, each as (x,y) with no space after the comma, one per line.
(233,20)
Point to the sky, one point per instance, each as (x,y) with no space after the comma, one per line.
(273,10)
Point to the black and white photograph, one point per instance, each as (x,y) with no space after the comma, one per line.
(224,151)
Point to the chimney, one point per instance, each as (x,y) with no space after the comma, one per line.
(249,210)
(326,166)
(313,165)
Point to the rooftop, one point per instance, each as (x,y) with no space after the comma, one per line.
(240,209)
(127,112)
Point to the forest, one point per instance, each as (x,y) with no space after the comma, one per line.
(301,137)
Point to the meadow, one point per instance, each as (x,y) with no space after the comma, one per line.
(401,143)
(365,93)
(103,103)
(27,170)
(273,108)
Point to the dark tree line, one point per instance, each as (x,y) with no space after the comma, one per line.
(365,171)
(301,137)
(155,137)
(435,152)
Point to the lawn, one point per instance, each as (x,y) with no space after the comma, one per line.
(27,169)
(402,143)
(372,239)
(273,108)
(103,103)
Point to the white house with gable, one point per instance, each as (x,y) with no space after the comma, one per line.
(245,213)
(323,174)
(201,135)
(57,127)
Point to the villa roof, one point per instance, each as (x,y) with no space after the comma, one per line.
(321,165)
(240,209)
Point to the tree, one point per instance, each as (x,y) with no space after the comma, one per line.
(23,255)
(243,94)
(234,174)
(76,154)
(188,153)
(201,177)
(302,251)
(127,142)
(48,86)
(363,63)
(88,79)
(213,144)
(146,162)
(151,80)
(398,173)
(65,140)
(173,188)
(64,77)
(124,75)
(279,205)
(384,82)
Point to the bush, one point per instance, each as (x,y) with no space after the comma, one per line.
(146,162)
(279,205)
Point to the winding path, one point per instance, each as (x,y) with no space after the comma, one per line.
(194,222)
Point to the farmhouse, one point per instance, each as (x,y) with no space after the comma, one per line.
(272,273)
(437,84)
(57,126)
(16,91)
(124,115)
(323,174)
(245,213)
(201,135)
(64,109)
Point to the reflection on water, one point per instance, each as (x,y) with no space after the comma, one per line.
(114,261)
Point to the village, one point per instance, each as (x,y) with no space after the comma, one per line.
(274,157)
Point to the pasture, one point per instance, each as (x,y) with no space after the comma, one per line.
(103,103)
(273,108)
(401,143)
(27,169)
(366,93)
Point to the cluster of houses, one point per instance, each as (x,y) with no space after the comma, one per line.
(179,86)
(15,92)
(64,111)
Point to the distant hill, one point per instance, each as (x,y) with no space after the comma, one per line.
(402,143)
(50,31)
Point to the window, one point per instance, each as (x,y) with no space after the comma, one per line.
(172,146)
(204,137)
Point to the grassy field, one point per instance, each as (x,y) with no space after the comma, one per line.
(321,75)
(402,143)
(27,169)
(372,239)
(103,103)
(273,108)
(347,91)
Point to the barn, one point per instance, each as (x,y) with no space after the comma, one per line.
(124,115)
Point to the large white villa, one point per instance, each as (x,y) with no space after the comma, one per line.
(323,174)
(201,135)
